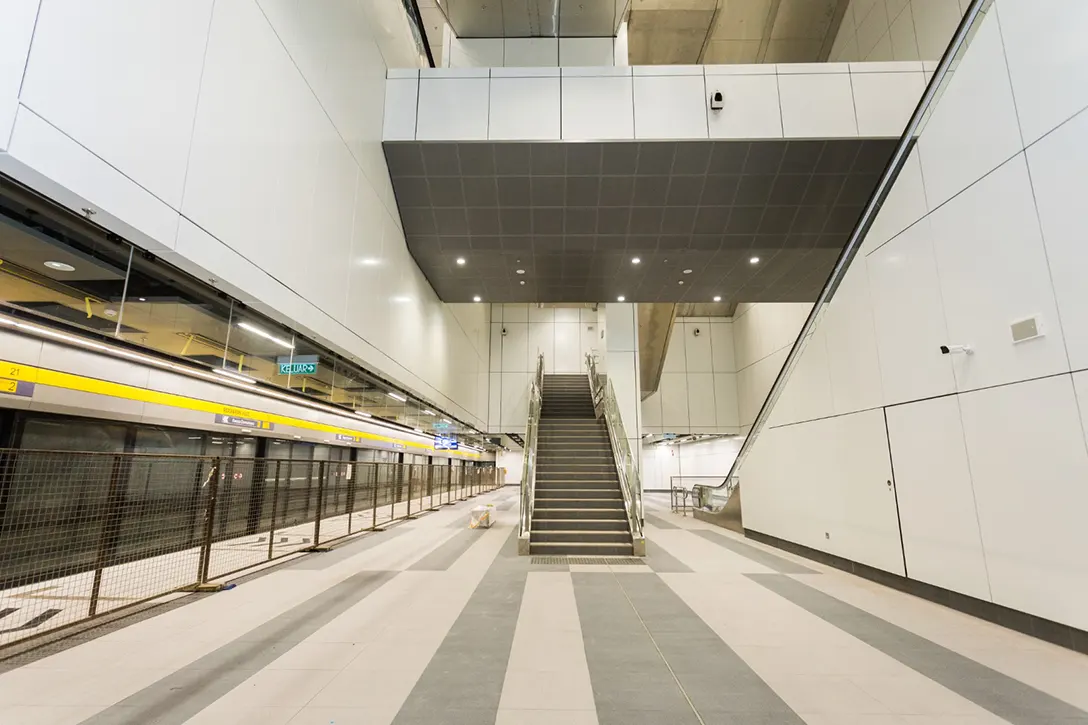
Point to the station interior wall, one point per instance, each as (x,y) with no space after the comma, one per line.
(892,30)
(241,141)
(962,471)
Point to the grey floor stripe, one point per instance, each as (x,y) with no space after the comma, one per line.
(178,697)
(463,681)
(662,561)
(449,551)
(718,682)
(323,560)
(759,556)
(632,685)
(660,522)
(1010,699)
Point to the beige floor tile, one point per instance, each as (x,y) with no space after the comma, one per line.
(546,717)
(827,694)
(524,690)
(280,688)
(344,716)
(46,714)
(318,656)
(254,715)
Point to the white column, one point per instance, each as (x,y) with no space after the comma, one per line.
(621,353)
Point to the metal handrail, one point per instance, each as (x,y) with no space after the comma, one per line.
(606,406)
(528,469)
(975,11)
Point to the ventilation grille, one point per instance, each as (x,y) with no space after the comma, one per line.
(611,561)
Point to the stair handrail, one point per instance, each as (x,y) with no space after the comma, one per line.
(606,406)
(528,469)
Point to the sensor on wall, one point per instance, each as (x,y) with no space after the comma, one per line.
(717,101)
(1027,329)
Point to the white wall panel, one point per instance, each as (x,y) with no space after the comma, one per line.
(808,396)
(754,382)
(721,347)
(515,348)
(541,314)
(908,311)
(569,355)
(884,101)
(985,292)
(751,106)
(697,348)
(145,60)
(515,401)
(586,52)
(726,406)
(15,35)
(515,313)
(906,204)
(674,402)
(1028,459)
(1057,163)
(935,21)
(701,403)
(567,314)
(1049,79)
(936,496)
(676,354)
(651,414)
(524,109)
(494,404)
(452,109)
(476,53)
(542,342)
(401,96)
(817,106)
(852,359)
(530,52)
(973,129)
(592,108)
(670,106)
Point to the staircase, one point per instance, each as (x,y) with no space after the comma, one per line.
(578,510)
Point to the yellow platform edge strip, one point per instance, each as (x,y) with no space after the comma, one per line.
(69,381)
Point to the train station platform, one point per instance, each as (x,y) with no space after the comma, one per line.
(433,622)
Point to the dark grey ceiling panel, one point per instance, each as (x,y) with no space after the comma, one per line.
(572,217)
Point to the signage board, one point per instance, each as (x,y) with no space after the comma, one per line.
(298,368)
(445,443)
(16,387)
(346,438)
(241,422)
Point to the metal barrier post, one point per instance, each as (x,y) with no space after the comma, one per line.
(110,526)
(275,504)
(354,467)
(320,501)
(374,500)
(209,522)
(409,499)
(395,478)
(430,487)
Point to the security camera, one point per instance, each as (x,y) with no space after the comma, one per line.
(949,349)
(697,331)
(504,332)
(717,102)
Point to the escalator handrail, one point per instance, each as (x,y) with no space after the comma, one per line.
(528,469)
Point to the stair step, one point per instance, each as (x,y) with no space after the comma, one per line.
(579,536)
(553,513)
(579,525)
(580,549)
(543,494)
(583,503)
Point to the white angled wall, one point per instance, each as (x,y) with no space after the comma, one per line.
(698,388)
(563,335)
(762,335)
(241,140)
(600,103)
(705,462)
(983,455)
(883,30)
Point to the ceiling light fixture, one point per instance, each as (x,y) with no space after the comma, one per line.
(717,298)
(261,333)
(394,396)
(143,299)
(687,271)
(522,282)
(364,414)
(635,260)
(681,282)
(753,260)
(521,271)
(418,430)
(428,412)
(234,376)
(461,261)
(247,430)
(621,298)
(60,266)
(476,298)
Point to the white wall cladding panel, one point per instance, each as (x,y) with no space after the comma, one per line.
(850,337)
(401,99)
(750,109)
(452,109)
(670,107)
(996,213)
(15,34)
(139,66)
(817,106)
(594,108)
(906,204)
(1049,80)
(936,496)
(1028,461)
(1057,163)
(586,52)
(884,101)
(524,109)
(973,128)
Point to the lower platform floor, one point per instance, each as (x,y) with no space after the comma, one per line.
(432,622)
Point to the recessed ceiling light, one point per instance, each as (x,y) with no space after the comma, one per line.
(461,261)
(476,298)
(681,282)
(687,271)
(522,281)
(394,396)
(753,260)
(261,333)
(717,298)
(370,262)
(247,430)
(621,298)
(521,271)
(60,266)
(143,299)
(635,260)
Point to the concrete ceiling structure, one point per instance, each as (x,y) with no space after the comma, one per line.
(742,221)
(670,32)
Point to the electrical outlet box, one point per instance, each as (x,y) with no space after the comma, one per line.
(1027,329)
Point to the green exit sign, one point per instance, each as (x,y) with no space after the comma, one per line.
(298,368)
